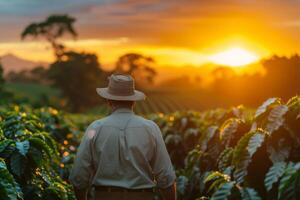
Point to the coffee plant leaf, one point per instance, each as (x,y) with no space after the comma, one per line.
(207,136)
(56,191)
(37,156)
(241,147)
(276,118)
(215,176)
(4,144)
(40,144)
(17,162)
(23,147)
(254,143)
(263,108)
(293,102)
(249,194)
(1,134)
(228,129)
(182,182)
(243,152)
(215,185)
(224,192)
(241,167)
(279,154)
(274,174)
(225,158)
(7,183)
(289,181)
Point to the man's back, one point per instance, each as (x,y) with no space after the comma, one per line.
(123,150)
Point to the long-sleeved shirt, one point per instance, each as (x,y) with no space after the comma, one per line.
(123,150)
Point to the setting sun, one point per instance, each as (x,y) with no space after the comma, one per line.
(234,57)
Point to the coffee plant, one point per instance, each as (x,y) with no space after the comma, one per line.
(31,155)
(236,153)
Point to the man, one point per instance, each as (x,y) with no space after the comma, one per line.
(123,156)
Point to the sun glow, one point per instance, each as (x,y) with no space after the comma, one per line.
(234,57)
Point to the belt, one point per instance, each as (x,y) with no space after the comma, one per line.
(121,189)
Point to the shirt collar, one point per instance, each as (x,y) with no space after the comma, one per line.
(123,110)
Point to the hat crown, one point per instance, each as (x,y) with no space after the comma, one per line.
(122,85)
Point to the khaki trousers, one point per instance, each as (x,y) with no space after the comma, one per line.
(103,195)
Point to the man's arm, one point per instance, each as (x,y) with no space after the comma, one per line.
(169,193)
(162,167)
(82,169)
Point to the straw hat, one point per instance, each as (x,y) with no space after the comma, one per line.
(121,87)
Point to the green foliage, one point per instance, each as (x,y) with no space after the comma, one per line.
(218,179)
(254,143)
(274,173)
(217,154)
(182,182)
(249,194)
(238,151)
(23,147)
(33,93)
(29,159)
(223,192)
(275,119)
(9,189)
(228,129)
(225,158)
(243,152)
(265,106)
(17,164)
(290,182)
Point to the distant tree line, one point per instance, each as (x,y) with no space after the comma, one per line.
(78,74)
(281,79)
(36,75)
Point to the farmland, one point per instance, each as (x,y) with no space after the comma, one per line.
(217,154)
(157,101)
(31,91)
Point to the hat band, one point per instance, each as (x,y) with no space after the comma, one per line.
(121,91)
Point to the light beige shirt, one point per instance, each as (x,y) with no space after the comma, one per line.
(122,150)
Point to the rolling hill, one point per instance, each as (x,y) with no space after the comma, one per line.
(13,63)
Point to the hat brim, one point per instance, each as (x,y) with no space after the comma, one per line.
(137,96)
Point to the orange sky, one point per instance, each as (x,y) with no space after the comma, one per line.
(174,32)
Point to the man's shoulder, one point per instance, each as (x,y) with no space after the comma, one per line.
(137,121)
(97,123)
(145,122)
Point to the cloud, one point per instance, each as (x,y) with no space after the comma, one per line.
(190,26)
(37,7)
(149,21)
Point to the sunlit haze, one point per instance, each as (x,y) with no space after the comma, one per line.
(234,57)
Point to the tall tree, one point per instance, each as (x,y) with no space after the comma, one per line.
(53,28)
(139,66)
(77,75)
